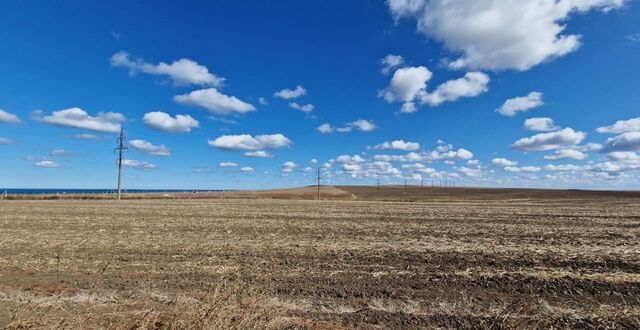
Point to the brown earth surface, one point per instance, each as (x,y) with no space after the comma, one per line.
(401,258)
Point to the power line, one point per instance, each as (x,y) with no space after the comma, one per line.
(120,148)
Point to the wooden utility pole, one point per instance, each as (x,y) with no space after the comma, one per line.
(378,186)
(318,183)
(120,148)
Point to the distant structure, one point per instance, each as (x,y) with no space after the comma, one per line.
(120,148)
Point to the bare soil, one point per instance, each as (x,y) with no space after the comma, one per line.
(402,258)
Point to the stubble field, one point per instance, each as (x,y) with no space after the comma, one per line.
(432,258)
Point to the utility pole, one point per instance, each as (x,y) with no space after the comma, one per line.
(120,148)
(318,183)
(405,185)
(378,186)
(421,184)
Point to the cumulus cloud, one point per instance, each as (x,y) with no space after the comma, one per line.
(360,125)
(182,72)
(258,154)
(246,169)
(621,126)
(564,167)
(227,164)
(164,122)
(472,84)
(567,154)
(406,84)
(325,128)
(390,62)
(540,124)
(9,118)
(471,172)
(149,148)
(289,94)
(288,167)
(623,156)
(409,84)
(214,101)
(247,142)
(498,35)
(503,162)
(520,104)
(77,118)
(450,155)
(307,108)
(550,141)
(530,169)
(138,165)
(5,141)
(398,145)
(624,142)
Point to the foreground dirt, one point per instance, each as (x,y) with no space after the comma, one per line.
(513,260)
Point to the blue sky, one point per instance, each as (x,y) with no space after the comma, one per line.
(535,93)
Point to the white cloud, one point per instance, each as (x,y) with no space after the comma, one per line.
(5,141)
(313,161)
(227,164)
(498,35)
(363,125)
(550,141)
(409,84)
(182,72)
(346,159)
(471,172)
(214,101)
(360,125)
(46,163)
(164,122)
(60,153)
(288,167)
(304,108)
(249,143)
(529,169)
(503,162)
(149,148)
(567,154)
(623,156)
(520,104)
(246,169)
(263,101)
(6,117)
(450,155)
(86,136)
(258,154)
(145,166)
(288,94)
(540,124)
(624,142)
(406,84)
(325,128)
(622,126)
(472,84)
(398,145)
(78,118)
(564,167)
(390,62)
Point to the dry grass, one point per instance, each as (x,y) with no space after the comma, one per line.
(452,260)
